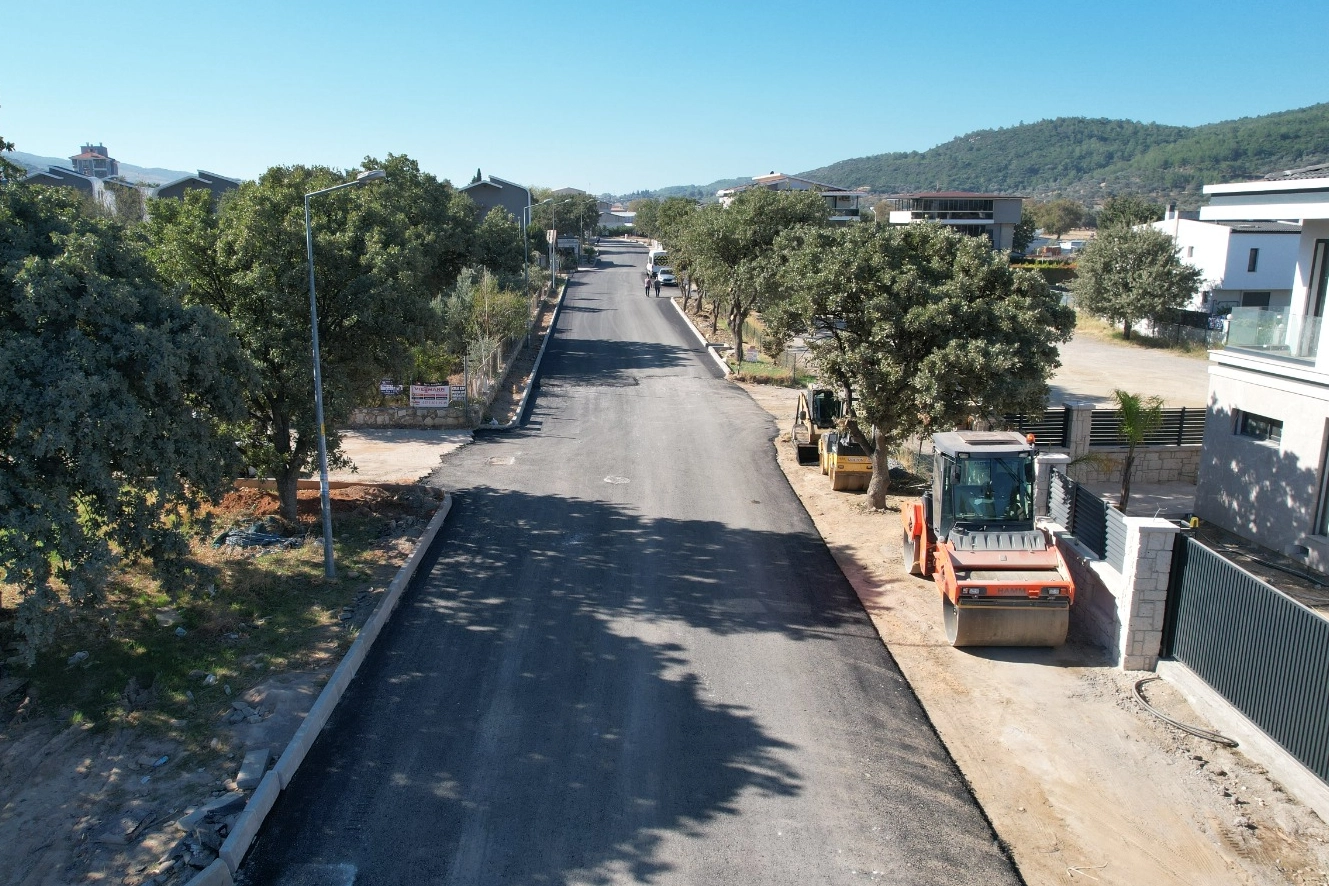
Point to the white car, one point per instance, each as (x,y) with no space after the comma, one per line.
(666,277)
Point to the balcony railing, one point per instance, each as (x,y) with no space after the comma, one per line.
(1274,332)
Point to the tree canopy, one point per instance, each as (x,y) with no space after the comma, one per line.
(1128,211)
(381,253)
(923,328)
(110,412)
(730,250)
(1126,275)
(1056,217)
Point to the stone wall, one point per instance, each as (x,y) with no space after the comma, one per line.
(1153,464)
(450,417)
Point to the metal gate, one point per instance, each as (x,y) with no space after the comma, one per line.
(1263,651)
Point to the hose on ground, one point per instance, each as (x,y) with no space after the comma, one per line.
(1207,735)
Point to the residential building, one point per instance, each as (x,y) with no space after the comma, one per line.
(203,181)
(487,192)
(979,215)
(94,162)
(1246,264)
(843,204)
(1263,471)
(58,176)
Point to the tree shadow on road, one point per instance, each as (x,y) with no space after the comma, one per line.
(540,711)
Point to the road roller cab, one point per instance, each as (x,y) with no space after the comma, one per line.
(1002,580)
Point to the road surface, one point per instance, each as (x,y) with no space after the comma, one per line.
(633,661)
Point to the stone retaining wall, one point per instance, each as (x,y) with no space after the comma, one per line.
(450,417)
(1153,464)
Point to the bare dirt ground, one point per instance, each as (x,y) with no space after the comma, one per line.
(1092,367)
(85,803)
(1081,782)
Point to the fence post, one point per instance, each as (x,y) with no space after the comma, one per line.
(1044,465)
(1142,600)
(1080,420)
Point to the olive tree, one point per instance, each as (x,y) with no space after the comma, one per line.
(1127,274)
(922,327)
(112,409)
(381,254)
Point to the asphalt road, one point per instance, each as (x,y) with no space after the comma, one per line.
(633,661)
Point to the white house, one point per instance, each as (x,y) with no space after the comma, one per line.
(1245,263)
(1263,472)
(843,204)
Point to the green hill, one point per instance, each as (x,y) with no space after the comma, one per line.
(1090,159)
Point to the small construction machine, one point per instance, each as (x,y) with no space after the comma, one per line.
(817,411)
(844,461)
(1002,580)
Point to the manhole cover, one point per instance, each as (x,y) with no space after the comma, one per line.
(617,480)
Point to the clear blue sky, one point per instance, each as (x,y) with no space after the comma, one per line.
(613,97)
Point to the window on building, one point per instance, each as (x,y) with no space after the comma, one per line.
(1255,299)
(1253,259)
(1259,427)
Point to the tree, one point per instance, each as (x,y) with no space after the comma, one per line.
(9,171)
(730,251)
(1128,211)
(1056,217)
(498,244)
(112,407)
(1138,418)
(381,253)
(1024,231)
(643,223)
(922,327)
(1126,275)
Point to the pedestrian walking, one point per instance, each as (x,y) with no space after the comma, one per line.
(648,287)
(657,287)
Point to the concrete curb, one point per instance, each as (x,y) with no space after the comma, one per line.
(535,367)
(724,367)
(215,874)
(276,780)
(1287,770)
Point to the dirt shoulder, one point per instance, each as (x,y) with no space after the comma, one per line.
(1077,778)
(146,709)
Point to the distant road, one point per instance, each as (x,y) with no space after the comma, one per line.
(634,661)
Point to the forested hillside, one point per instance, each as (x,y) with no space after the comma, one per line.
(1089,159)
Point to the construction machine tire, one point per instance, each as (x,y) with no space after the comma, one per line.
(837,479)
(1005,625)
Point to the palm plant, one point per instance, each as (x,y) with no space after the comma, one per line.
(1139,416)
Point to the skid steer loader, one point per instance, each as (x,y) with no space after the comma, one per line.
(1002,580)
(816,413)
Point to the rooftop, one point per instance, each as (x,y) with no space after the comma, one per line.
(1318,170)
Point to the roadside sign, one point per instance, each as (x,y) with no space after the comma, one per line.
(551,236)
(430,395)
(459,393)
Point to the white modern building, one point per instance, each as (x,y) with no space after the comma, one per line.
(1263,472)
(843,204)
(1245,263)
(979,215)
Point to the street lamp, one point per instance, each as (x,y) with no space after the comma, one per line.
(329,568)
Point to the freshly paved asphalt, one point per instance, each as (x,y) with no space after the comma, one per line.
(633,661)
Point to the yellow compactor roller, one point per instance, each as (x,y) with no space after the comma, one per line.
(1002,580)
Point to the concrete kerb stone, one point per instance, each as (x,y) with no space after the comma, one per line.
(215,874)
(535,367)
(247,823)
(276,780)
(724,367)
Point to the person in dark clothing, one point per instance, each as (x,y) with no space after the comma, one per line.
(657,287)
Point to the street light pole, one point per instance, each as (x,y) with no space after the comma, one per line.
(329,568)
